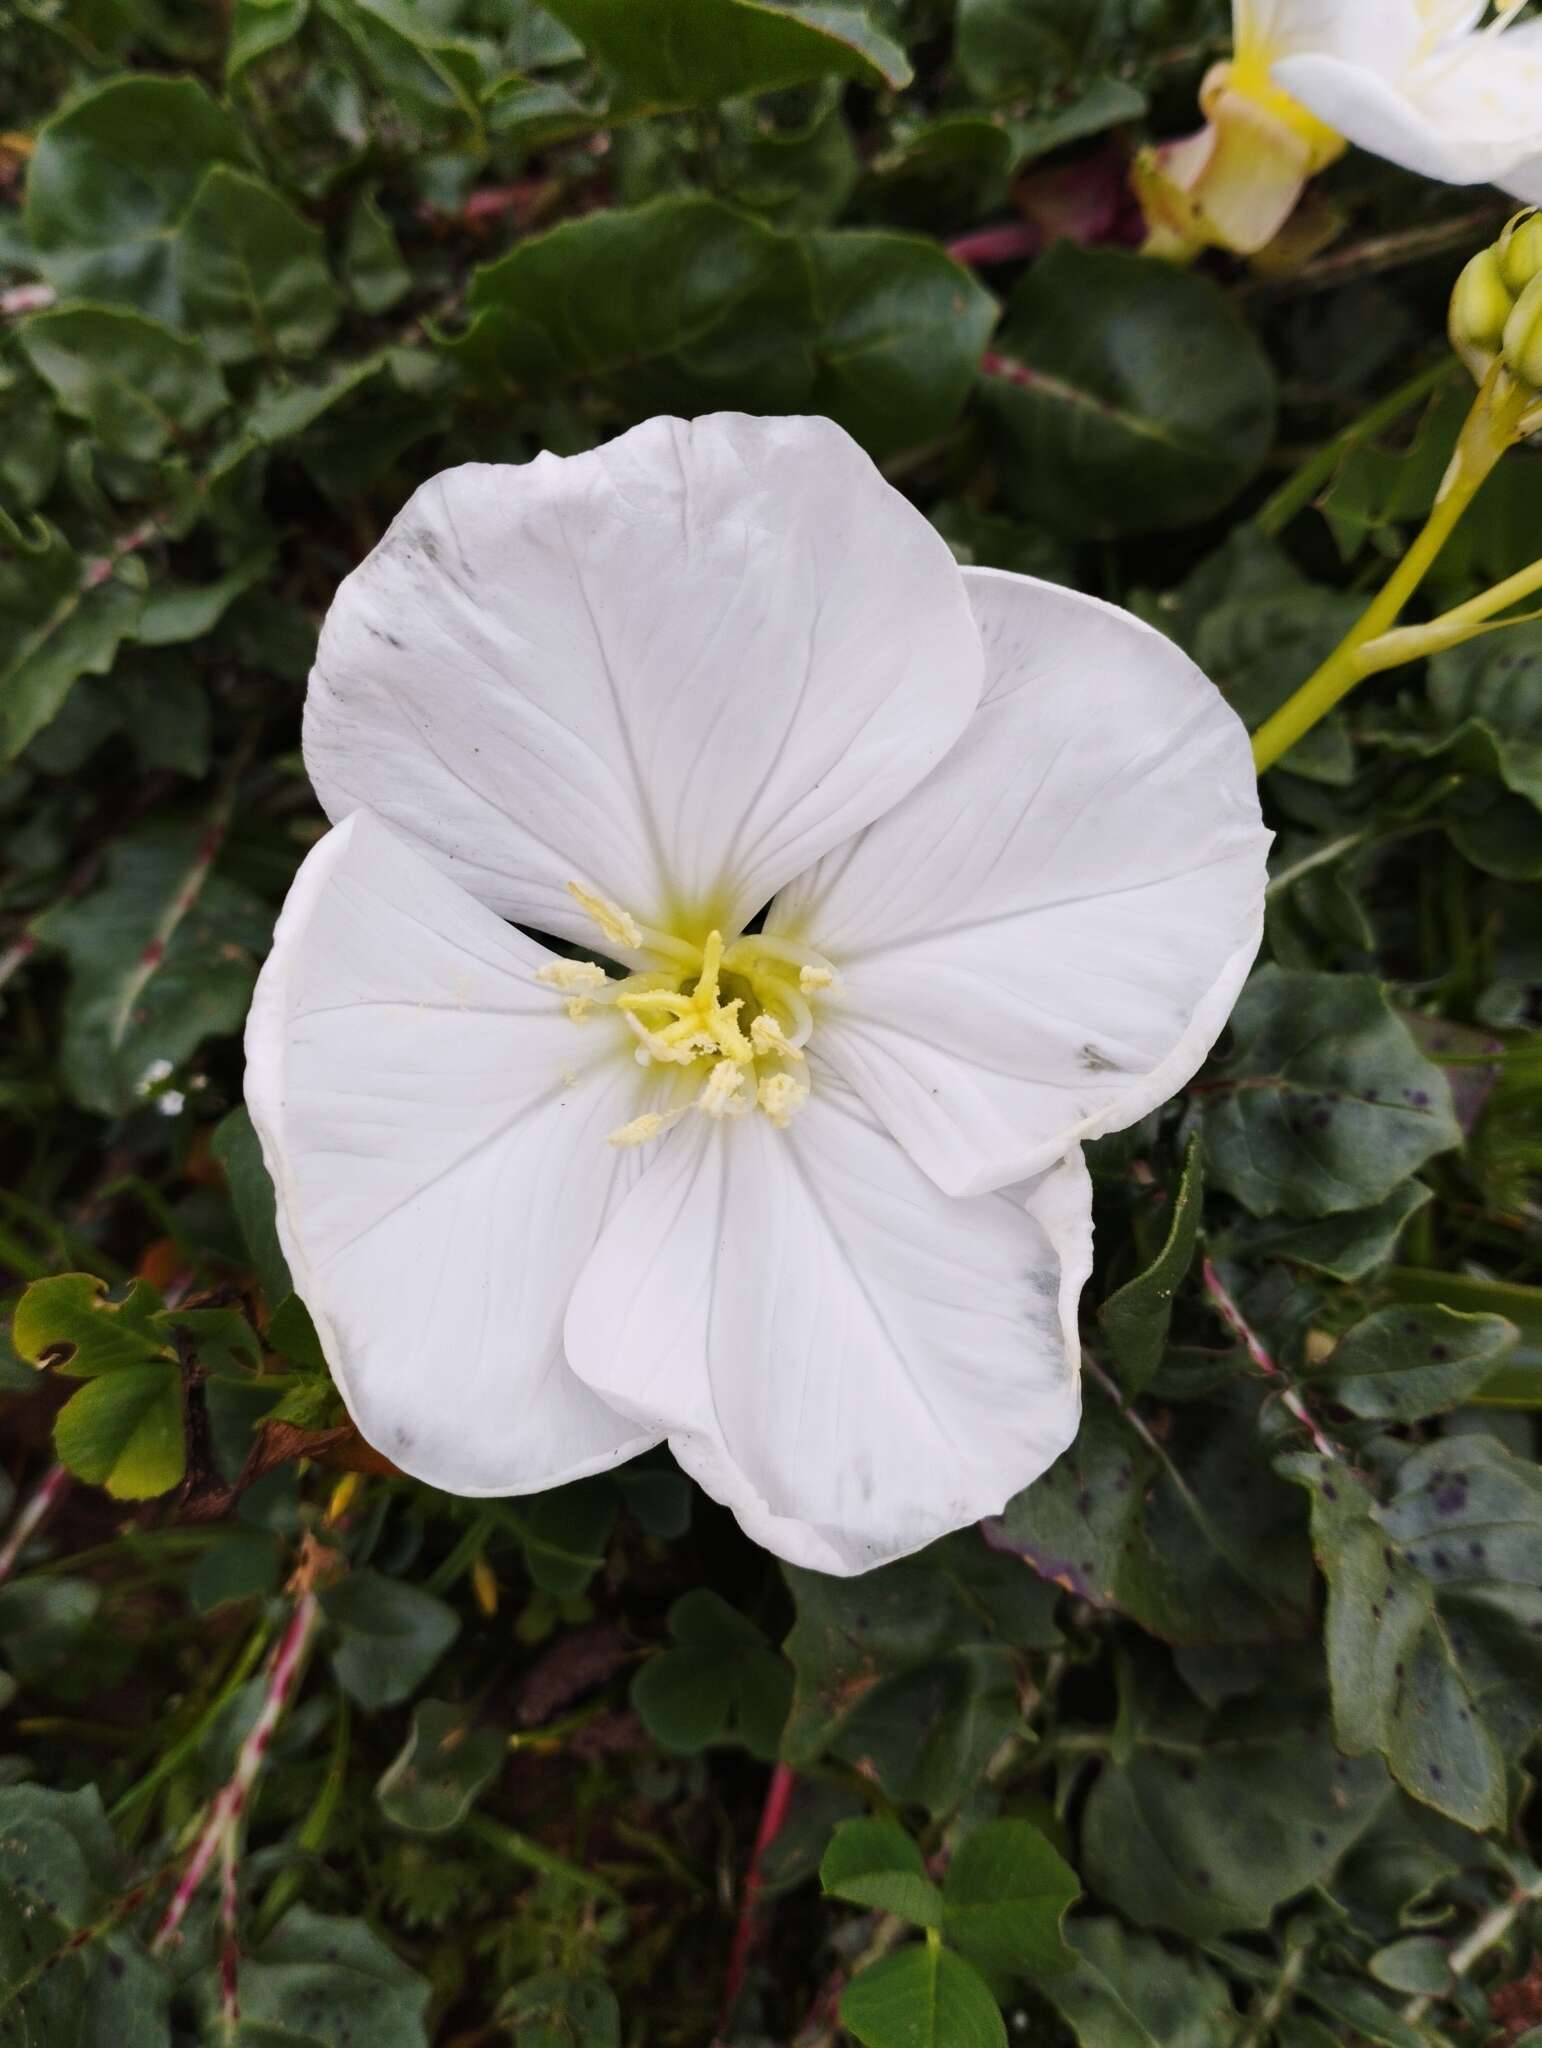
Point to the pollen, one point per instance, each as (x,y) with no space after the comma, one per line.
(572,976)
(619,926)
(731,1018)
(637,1132)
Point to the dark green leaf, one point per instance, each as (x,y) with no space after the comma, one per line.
(445,1764)
(112,176)
(1325,1103)
(1402,1364)
(721,1681)
(1128,1990)
(1135,1319)
(392,1634)
(322,1982)
(688,53)
(553,2011)
(253,274)
(1128,393)
(138,387)
(64,618)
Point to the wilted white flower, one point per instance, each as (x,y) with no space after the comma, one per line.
(1438,86)
(888,884)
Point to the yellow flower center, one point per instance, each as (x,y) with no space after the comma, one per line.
(733,1018)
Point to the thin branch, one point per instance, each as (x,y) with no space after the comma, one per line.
(52,1489)
(1216,1288)
(773,1816)
(1489,1932)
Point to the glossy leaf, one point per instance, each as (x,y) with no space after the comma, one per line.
(874,1863)
(1128,392)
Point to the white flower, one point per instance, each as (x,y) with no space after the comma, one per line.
(805,1199)
(1428,84)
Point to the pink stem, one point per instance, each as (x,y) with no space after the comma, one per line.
(772,1817)
(1011,242)
(51,1490)
(26,298)
(230,1955)
(230,1801)
(1216,1288)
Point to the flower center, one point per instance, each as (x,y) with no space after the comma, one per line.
(733,1018)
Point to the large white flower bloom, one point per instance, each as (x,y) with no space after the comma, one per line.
(803,1197)
(1434,85)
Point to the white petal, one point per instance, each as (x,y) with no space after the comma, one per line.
(676,669)
(851,1361)
(1044,940)
(1382,35)
(435,1128)
(1465,117)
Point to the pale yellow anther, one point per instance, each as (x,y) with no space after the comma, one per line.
(768,1037)
(617,925)
(812,979)
(579,1007)
(572,976)
(637,1132)
(724,1093)
(781,1097)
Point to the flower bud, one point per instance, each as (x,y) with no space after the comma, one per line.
(1523,336)
(1519,250)
(1481,304)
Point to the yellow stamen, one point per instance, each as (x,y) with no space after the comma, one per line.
(637,1132)
(572,976)
(617,925)
(812,979)
(781,1097)
(724,1093)
(768,1037)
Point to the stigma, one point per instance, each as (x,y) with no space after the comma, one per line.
(731,1018)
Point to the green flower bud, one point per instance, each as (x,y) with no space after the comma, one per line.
(1481,306)
(1520,251)
(1523,336)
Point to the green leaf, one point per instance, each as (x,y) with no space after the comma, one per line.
(392,1636)
(253,274)
(687,303)
(686,298)
(1127,1990)
(1434,1630)
(441,1770)
(1190,1535)
(722,1682)
(1007,47)
(1346,1247)
(1137,1316)
(1006,1892)
(433,76)
(1325,1103)
(1205,1832)
(1402,1364)
(112,176)
(163,954)
(564,1532)
(1127,392)
(664,54)
(69,1323)
(373,269)
(235,1145)
(912,1669)
(174,614)
(63,619)
(923,1997)
(899,329)
(874,1863)
(554,2011)
(258,27)
(322,1982)
(137,386)
(124,1431)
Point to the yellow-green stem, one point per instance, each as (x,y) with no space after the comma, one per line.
(1492,427)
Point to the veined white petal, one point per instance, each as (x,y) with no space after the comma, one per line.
(1467,115)
(851,1361)
(434,1125)
(1044,940)
(1384,35)
(676,669)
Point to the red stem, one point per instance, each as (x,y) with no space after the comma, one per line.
(52,1489)
(1217,1290)
(1011,242)
(772,1817)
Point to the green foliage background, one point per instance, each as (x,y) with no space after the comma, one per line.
(1250,1682)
